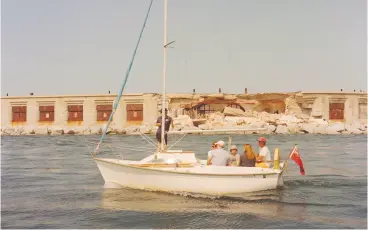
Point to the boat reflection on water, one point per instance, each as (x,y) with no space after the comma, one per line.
(267,204)
(264,203)
(147,201)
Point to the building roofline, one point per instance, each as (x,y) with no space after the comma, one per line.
(179,95)
(71,96)
(334,92)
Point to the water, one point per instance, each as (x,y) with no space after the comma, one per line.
(52,182)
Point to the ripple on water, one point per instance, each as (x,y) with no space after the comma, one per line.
(52,182)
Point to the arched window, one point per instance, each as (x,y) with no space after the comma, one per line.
(236,106)
(205,109)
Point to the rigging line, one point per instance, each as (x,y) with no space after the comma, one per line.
(148,139)
(125,80)
(177,141)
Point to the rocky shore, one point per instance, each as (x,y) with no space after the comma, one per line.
(231,118)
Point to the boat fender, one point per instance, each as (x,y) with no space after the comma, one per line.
(276,158)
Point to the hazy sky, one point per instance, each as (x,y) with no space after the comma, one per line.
(85,46)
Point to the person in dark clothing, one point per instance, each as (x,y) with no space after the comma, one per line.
(248,159)
(168,122)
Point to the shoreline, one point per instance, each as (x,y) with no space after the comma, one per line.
(272,124)
(344,133)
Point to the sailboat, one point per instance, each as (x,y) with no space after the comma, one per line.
(180,171)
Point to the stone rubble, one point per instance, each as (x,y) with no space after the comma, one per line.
(292,122)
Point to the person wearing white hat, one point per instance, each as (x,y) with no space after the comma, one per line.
(264,154)
(218,156)
(234,156)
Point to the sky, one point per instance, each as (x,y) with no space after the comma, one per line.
(85,46)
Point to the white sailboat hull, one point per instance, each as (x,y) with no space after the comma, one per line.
(211,180)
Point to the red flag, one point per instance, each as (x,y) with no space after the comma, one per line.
(295,156)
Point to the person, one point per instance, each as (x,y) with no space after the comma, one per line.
(213,147)
(168,122)
(248,159)
(264,155)
(219,156)
(234,156)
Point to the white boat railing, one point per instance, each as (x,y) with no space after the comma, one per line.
(217,131)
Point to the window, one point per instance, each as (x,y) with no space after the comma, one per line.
(103,112)
(134,113)
(19,113)
(205,109)
(337,111)
(75,112)
(47,113)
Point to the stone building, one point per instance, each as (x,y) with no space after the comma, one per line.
(89,113)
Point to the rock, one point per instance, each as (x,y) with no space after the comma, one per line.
(356,125)
(86,131)
(183,121)
(206,126)
(268,118)
(216,117)
(363,128)
(249,113)
(131,130)
(229,111)
(176,128)
(335,128)
(293,128)
(287,119)
(318,121)
(71,132)
(321,129)
(271,128)
(145,129)
(282,129)
(235,120)
(190,128)
(18,131)
(308,128)
(229,125)
(96,130)
(119,131)
(59,131)
(8,131)
(353,129)
(303,117)
(292,107)
(41,130)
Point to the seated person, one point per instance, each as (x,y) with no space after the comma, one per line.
(264,154)
(248,159)
(213,147)
(218,156)
(234,156)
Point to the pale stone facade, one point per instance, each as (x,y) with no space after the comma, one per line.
(89,102)
(198,108)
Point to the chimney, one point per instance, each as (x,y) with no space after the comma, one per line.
(193,91)
(219,90)
(245,90)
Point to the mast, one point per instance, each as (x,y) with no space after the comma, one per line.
(164,80)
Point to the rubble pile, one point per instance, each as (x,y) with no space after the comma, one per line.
(290,122)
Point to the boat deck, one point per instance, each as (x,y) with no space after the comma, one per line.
(195,168)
